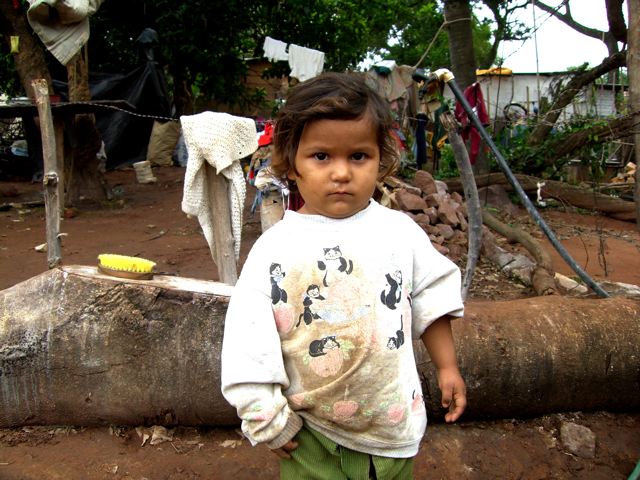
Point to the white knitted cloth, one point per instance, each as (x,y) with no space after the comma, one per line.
(220,140)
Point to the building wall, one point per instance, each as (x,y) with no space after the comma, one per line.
(501,90)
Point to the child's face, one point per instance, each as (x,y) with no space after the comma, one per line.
(338,163)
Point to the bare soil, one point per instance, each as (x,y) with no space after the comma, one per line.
(146,220)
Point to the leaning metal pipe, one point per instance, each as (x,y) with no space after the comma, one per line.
(446,76)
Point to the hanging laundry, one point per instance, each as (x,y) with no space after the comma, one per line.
(421,141)
(473,94)
(265,137)
(62,25)
(305,62)
(275,50)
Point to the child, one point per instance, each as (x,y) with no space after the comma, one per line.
(317,354)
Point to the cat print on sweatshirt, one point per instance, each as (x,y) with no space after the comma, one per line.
(309,315)
(392,292)
(334,262)
(317,348)
(277,275)
(396,342)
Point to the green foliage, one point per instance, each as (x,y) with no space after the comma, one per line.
(522,158)
(415,30)
(447,165)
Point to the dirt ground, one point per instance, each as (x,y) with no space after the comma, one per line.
(146,220)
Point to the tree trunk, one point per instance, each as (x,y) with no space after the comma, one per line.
(633,63)
(85,182)
(29,61)
(545,354)
(544,126)
(82,348)
(457,14)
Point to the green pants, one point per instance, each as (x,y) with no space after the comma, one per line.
(318,458)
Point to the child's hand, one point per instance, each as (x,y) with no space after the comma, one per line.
(454,393)
(283,452)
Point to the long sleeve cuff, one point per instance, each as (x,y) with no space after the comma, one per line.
(294,424)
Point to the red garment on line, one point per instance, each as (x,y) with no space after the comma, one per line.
(473,94)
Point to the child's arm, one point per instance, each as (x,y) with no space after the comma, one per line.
(438,340)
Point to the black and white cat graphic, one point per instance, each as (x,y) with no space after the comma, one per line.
(317,348)
(277,293)
(396,342)
(313,294)
(334,262)
(392,293)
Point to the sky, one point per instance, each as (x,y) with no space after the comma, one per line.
(558,45)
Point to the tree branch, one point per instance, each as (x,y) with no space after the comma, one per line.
(541,131)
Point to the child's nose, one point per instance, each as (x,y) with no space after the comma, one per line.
(341,170)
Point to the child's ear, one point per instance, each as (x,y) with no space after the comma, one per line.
(291,174)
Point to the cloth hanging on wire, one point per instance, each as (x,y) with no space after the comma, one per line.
(62,25)
(421,141)
(305,62)
(275,50)
(473,94)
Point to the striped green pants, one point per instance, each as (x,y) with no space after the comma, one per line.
(318,458)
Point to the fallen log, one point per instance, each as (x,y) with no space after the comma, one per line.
(570,194)
(530,357)
(82,348)
(542,277)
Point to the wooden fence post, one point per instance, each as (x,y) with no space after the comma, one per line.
(51,178)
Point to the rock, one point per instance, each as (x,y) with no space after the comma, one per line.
(410,201)
(447,213)
(433,215)
(425,182)
(578,440)
(446,231)
(422,219)
(442,186)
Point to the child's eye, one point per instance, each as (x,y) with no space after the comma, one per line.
(359,156)
(320,156)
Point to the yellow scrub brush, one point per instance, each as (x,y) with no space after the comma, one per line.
(122,266)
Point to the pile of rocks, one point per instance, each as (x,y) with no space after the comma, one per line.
(441,215)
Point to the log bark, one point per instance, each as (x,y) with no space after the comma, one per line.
(81,348)
(544,354)
(572,195)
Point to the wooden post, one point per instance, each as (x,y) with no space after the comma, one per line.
(50,178)
(58,127)
(223,252)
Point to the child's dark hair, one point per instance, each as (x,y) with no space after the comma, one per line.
(334,96)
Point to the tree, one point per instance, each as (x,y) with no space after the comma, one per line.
(457,14)
(204,45)
(617,28)
(506,27)
(84,179)
(633,64)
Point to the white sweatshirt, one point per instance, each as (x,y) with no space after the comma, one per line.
(320,326)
